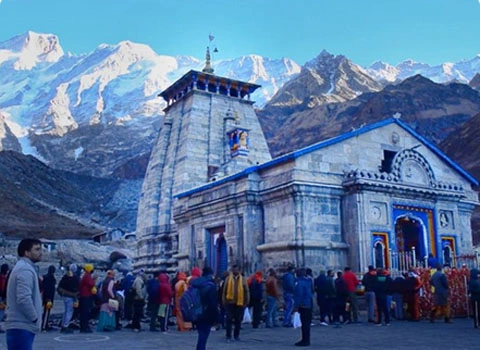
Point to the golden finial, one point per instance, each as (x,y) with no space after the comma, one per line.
(208,67)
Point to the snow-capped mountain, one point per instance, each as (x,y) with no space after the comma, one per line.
(48,95)
(462,71)
(270,74)
(27,50)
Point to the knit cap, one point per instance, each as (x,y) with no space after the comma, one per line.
(73,268)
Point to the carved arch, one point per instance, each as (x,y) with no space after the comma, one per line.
(411,166)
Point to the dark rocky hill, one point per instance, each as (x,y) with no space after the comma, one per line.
(475,82)
(37,201)
(462,145)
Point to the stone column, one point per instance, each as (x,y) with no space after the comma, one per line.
(299,239)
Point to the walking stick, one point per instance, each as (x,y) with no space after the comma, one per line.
(475,314)
(466,295)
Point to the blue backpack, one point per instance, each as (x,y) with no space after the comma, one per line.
(191,303)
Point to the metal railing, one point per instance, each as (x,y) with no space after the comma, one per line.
(402,261)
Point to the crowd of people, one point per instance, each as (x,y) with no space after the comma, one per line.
(116,302)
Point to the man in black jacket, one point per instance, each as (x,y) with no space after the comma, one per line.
(382,287)
(48,294)
(369,281)
(208,296)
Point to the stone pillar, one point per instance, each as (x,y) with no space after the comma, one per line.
(299,239)
(195,79)
(360,251)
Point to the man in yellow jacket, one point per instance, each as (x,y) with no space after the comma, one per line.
(235,297)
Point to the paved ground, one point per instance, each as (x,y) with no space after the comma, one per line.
(400,335)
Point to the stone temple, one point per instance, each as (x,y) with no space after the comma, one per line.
(380,195)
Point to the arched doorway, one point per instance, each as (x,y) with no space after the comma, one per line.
(217,257)
(449,250)
(409,236)
(447,255)
(380,251)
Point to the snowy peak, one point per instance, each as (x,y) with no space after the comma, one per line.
(324,62)
(271,74)
(382,71)
(412,65)
(134,50)
(31,48)
(462,71)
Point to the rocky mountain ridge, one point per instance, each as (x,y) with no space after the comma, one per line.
(40,201)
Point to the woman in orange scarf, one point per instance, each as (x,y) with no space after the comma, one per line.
(180,288)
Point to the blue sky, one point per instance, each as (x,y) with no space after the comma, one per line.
(430,31)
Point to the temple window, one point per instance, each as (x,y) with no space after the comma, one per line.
(387,161)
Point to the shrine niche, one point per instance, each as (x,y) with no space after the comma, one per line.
(238,142)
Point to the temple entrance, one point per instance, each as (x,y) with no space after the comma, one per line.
(217,257)
(409,237)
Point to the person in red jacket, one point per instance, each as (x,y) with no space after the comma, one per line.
(165,298)
(411,295)
(86,292)
(351,283)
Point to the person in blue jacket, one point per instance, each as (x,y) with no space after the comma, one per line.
(302,298)
(288,289)
(208,296)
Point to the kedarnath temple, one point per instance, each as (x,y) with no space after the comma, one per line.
(379,195)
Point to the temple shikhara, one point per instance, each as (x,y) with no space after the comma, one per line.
(379,195)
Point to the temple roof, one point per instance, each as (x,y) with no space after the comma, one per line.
(209,82)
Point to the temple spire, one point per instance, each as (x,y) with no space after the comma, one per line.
(208,67)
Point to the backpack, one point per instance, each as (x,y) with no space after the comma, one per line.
(152,289)
(256,289)
(191,303)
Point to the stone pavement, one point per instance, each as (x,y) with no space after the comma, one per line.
(400,335)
